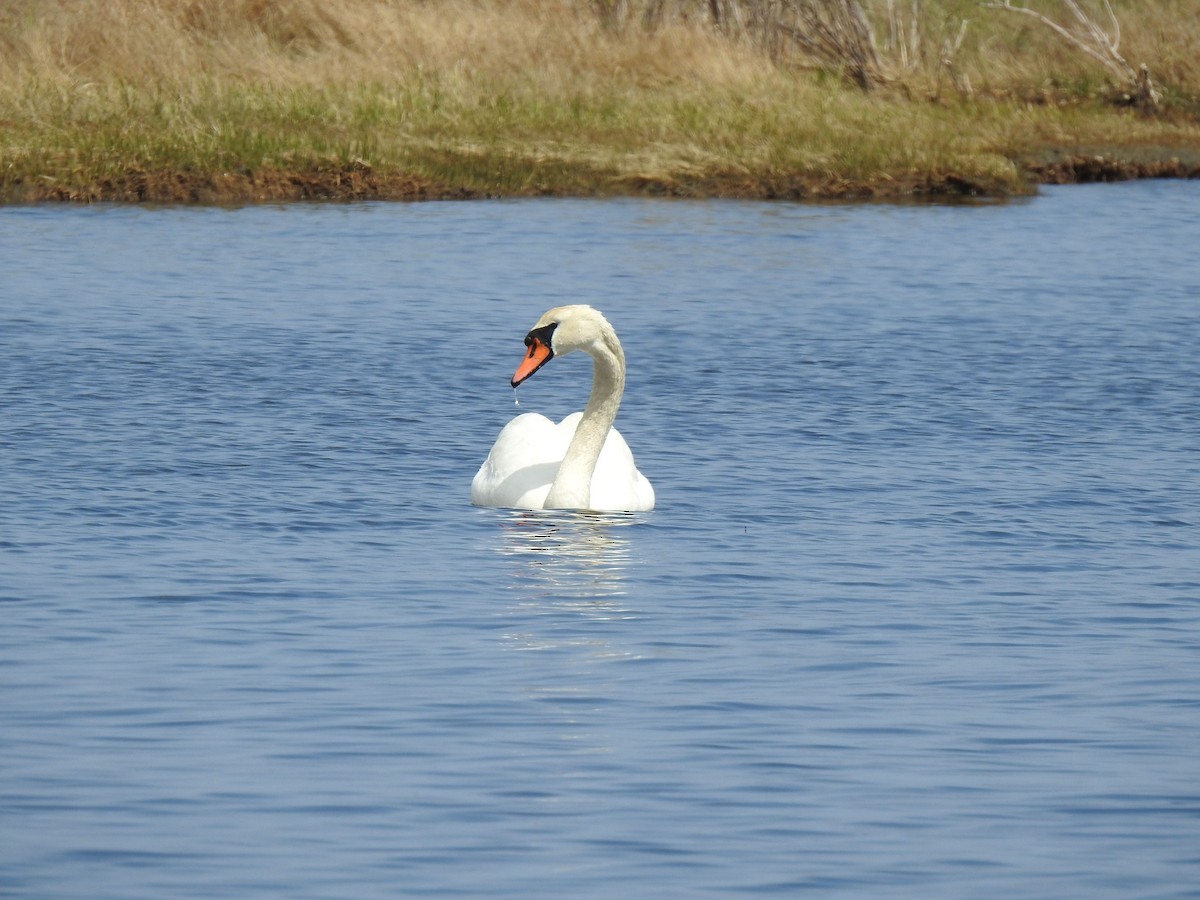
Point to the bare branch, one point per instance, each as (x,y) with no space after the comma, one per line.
(950,48)
(835,33)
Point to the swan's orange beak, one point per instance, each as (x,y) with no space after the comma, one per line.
(539,354)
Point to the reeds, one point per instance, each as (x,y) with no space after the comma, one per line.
(250,99)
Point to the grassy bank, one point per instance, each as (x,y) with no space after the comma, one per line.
(245,100)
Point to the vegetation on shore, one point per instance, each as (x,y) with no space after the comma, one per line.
(232,101)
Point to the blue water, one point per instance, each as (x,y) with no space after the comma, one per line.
(917,615)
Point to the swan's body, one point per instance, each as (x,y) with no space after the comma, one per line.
(582,462)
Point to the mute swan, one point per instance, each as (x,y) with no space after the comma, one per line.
(582,462)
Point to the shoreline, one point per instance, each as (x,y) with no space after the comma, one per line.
(359,181)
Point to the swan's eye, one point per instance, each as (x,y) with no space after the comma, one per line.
(543,336)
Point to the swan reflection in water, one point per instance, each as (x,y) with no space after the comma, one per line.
(569,569)
(567,555)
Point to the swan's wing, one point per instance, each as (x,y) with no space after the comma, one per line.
(522,464)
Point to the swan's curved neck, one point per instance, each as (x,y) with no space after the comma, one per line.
(573,483)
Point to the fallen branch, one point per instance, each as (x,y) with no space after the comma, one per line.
(1093,40)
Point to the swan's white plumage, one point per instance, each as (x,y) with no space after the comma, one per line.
(536,464)
(520,469)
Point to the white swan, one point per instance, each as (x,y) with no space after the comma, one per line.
(582,462)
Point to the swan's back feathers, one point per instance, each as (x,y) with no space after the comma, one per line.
(524,461)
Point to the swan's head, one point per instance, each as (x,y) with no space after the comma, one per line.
(563,330)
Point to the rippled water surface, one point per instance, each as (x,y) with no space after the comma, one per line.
(918,613)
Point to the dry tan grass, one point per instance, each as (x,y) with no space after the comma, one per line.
(309,41)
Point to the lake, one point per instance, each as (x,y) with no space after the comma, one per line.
(917,613)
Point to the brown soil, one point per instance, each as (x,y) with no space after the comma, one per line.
(353,182)
(1082,168)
